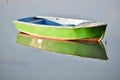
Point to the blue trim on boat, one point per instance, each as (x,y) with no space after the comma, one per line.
(42,21)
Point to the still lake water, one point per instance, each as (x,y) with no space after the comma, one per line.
(20,62)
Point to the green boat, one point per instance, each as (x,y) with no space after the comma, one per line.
(61,28)
(94,50)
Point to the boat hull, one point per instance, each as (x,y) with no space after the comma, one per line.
(84,33)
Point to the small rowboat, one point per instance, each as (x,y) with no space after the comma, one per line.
(61,28)
(93,50)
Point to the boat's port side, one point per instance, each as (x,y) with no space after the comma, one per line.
(62,33)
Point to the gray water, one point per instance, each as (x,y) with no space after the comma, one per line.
(19,62)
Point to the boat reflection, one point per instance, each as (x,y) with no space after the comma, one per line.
(94,50)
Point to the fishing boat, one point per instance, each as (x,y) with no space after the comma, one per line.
(94,50)
(61,28)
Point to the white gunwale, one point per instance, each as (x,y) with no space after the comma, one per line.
(80,25)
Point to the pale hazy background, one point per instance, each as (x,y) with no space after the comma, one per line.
(19,62)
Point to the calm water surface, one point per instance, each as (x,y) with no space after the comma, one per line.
(20,62)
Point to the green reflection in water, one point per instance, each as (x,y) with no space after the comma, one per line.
(82,49)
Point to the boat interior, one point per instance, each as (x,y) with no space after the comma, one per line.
(53,21)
